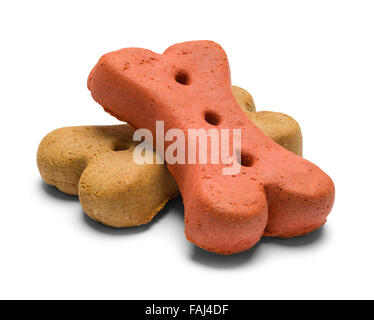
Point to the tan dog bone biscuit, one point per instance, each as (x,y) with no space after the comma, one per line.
(128,194)
(64,153)
(112,188)
(244,99)
(280,127)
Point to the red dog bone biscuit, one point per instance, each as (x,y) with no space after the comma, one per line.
(276,193)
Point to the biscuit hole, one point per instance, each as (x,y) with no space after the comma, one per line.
(121,146)
(246,160)
(182,77)
(212,118)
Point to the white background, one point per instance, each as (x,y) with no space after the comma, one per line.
(313,60)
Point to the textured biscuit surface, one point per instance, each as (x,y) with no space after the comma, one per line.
(279,127)
(244,99)
(97,163)
(276,193)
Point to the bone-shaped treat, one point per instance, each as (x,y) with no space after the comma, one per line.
(276,192)
(97,163)
(244,99)
(279,127)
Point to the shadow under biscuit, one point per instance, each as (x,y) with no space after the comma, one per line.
(176,205)
(216,261)
(53,192)
(197,254)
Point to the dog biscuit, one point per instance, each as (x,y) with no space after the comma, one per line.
(276,193)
